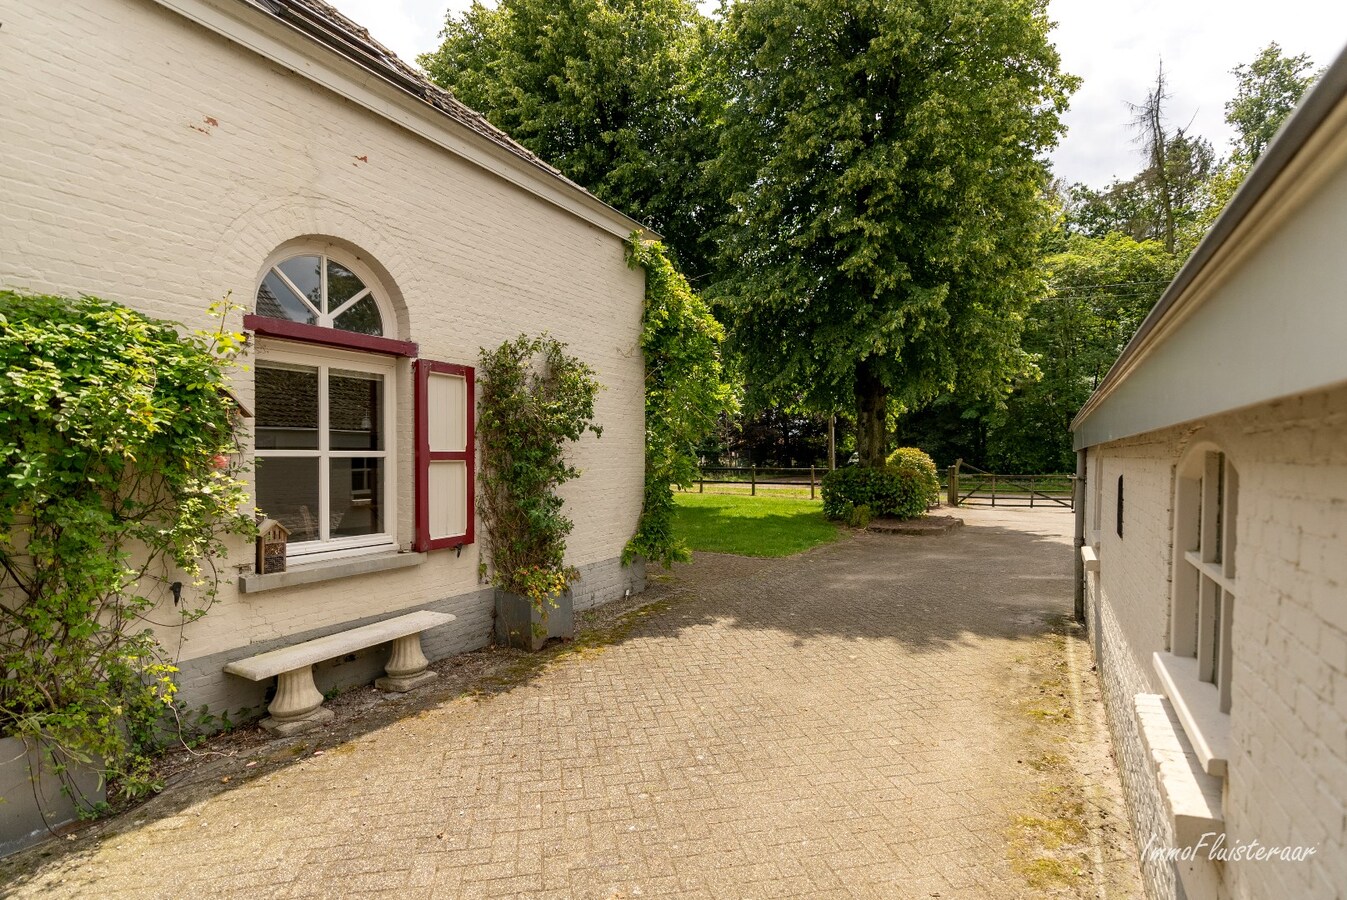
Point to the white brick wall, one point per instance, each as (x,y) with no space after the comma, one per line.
(1287,777)
(149,161)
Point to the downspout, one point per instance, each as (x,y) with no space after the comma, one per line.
(1078,499)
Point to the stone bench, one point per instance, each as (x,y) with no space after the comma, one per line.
(298,705)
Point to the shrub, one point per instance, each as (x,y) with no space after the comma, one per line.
(535,400)
(912,459)
(886,491)
(685,394)
(118,447)
(859,516)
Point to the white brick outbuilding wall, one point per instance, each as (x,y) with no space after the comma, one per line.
(1287,779)
(149,160)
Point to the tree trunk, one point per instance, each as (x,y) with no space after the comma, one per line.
(872,399)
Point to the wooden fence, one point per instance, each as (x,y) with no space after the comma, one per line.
(970,486)
(753,476)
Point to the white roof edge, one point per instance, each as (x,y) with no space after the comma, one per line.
(276,40)
(1259,190)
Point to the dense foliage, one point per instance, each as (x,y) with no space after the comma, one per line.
(613,93)
(887,175)
(117,437)
(912,459)
(1269,88)
(685,394)
(883,490)
(534,400)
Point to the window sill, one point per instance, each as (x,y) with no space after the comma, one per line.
(1090,558)
(1198,707)
(1192,798)
(328,570)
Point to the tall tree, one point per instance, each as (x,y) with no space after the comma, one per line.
(1100,290)
(886,160)
(614,93)
(1269,88)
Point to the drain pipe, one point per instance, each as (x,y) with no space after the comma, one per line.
(1078,500)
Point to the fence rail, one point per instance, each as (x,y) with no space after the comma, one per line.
(970,486)
(753,476)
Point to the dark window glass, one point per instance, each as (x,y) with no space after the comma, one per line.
(355,410)
(306,273)
(287,408)
(342,285)
(275,300)
(362,318)
(287,491)
(357,496)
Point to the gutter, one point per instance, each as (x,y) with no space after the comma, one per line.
(1313,109)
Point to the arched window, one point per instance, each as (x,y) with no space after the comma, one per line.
(315,289)
(326,446)
(1204,568)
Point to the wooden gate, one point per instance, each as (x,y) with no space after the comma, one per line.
(971,486)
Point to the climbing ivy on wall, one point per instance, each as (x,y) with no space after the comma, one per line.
(119,489)
(534,401)
(685,393)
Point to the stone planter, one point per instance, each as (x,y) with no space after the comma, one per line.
(519,624)
(31,799)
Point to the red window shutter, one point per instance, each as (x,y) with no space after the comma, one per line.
(445,459)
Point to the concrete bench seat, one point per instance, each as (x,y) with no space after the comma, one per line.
(298,705)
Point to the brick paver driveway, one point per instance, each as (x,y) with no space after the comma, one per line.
(886,716)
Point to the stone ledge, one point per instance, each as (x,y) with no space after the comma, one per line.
(329,570)
(1192,797)
(1197,705)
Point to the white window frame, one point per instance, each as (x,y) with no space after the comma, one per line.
(325,253)
(324,360)
(1197,669)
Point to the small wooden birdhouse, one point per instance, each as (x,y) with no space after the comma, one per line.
(271,540)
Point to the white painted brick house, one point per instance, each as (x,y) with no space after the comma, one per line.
(166,153)
(1215,537)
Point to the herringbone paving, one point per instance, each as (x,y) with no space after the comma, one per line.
(848,722)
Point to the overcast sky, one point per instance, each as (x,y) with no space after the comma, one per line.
(1114,45)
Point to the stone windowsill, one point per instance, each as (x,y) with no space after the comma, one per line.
(1198,706)
(1192,797)
(1090,558)
(329,570)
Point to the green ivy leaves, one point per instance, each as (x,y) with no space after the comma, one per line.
(111,429)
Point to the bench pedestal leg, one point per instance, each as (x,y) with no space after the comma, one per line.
(406,666)
(297,706)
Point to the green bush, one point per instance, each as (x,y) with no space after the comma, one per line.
(859,516)
(534,401)
(886,491)
(912,459)
(121,484)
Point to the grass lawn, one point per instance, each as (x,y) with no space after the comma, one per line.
(751,526)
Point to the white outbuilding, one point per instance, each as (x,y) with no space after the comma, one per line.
(169,153)
(1213,538)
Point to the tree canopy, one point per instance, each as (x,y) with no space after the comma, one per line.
(1269,88)
(613,93)
(886,163)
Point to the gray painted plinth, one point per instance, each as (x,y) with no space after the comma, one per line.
(521,625)
(31,799)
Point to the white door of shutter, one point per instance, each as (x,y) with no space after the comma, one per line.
(445,483)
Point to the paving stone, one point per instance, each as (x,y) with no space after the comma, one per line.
(839,723)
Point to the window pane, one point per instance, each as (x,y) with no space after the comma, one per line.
(355,410)
(363,318)
(287,407)
(342,285)
(305,272)
(287,490)
(276,301)
(357,496)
